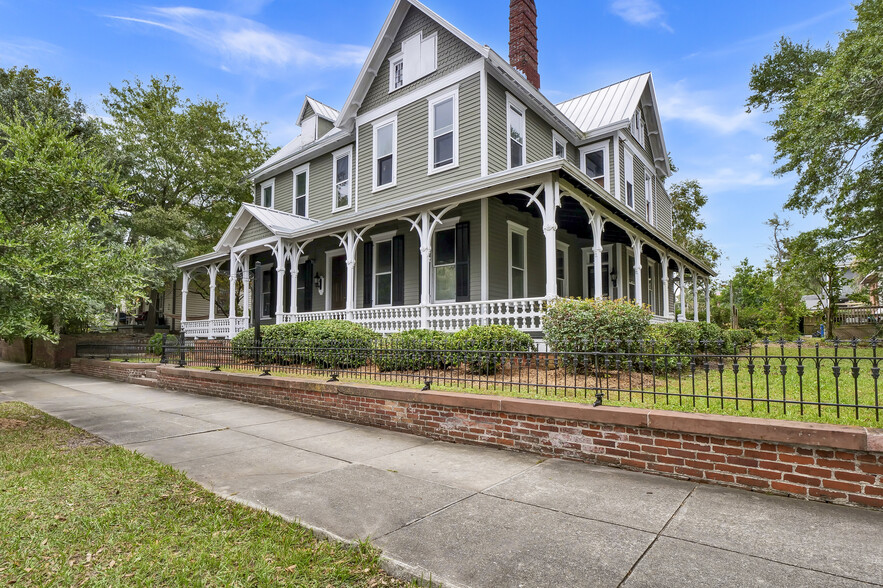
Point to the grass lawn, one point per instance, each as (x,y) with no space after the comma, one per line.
(74,510)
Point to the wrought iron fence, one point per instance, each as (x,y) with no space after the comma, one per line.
(836,381)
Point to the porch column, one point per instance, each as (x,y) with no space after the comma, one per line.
(212,288)
(597,254)
(664,263)
(425,269)
(549,231)
(695,299)
(246,288)
(637,246)
(232,313)
(280,292)
(185,285)
(292,302)
(681,269)
(707,300)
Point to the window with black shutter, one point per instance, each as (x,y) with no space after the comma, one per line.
(398,270)
(462,255)
(367,275)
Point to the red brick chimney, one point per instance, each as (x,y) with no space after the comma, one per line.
(523,39)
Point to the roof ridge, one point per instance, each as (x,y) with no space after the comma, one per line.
(604,87)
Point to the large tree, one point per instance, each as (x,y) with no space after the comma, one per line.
(828,104)
(58,194)
(184,162)
(687,200)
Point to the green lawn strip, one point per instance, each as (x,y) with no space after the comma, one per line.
(74,510)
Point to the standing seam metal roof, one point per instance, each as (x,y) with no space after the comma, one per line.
(610,105)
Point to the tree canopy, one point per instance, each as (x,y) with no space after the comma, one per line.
(828,104)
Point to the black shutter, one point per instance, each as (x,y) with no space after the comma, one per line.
(398,270)
(368,274)
(462,259)
(308,286)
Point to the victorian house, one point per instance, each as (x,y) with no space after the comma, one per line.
(449,191)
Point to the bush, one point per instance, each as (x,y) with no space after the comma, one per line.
(242,342)
(326,343)
(484,348)
(578,324)
(154,344)
(739,338)
(413,350)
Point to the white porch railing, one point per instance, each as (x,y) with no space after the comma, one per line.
(525,314)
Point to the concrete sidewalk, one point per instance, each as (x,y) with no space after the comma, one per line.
(472,516)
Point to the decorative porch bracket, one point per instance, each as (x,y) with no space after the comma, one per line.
(350,241)
(547,207)
(425,224)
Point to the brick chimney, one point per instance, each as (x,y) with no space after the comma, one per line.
(523,39)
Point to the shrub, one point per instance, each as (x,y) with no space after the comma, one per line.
(154,344)
(413,350)
(578,324)
(242,342)
(739,338)
(326,343)
(484,348)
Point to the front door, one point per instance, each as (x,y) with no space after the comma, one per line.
(338,282)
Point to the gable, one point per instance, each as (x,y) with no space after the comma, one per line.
(307,111)
(452,54)
(254,231)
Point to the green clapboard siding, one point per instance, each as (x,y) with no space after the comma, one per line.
(496,127)
(254,231)
(412,175)
(283,192)
(321,189)
(452,54)
(539,138)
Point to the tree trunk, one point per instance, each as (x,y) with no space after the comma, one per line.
(150,322)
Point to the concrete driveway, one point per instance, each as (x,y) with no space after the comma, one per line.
(472,516)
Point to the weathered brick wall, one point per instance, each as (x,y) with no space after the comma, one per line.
(113,370)
(819,462)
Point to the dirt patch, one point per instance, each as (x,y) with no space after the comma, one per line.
(11,424)
(84,441)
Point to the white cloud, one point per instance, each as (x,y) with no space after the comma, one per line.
(699,107)
(244,43)
(643,13)
(22,51)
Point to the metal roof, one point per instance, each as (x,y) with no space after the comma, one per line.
(605,107)
(323,110)
(278,221)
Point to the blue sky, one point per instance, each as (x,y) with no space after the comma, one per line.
(262,57)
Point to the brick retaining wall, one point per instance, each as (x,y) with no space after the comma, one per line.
(842,464)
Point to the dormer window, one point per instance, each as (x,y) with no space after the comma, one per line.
(267,189)
(416,60)
(637,126)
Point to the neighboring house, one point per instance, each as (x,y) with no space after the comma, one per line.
(448,191)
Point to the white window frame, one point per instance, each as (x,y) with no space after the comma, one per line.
(301,275)
(636,126)
(326,290)
(556,140)
(268,271)
(604,147)
(589,262)
(304,169)
(521,230)
(565,249)
(377,240)
(512,103)
(450,94)
(629,177)
(271,183)
(649,199)
(348,150)
(653,293)
(394,121)
(398,58)
(447,225)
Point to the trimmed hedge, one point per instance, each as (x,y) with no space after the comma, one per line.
(325,343)
(154,344)
(576,324)
(483,348)
(413,350)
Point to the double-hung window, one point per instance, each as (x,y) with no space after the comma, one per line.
(443,124)
(593,161)
(397,71)
(559,146)
(267,190)
(417,59)
(629,179)
(342,169)
(561,272)
(385,154)
(515,120)
(267,293)
(648,197)
(445,265)
(383,272)
(301,189)
(637,126)
(517,261)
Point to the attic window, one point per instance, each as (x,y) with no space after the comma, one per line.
(416,60)
(637,126)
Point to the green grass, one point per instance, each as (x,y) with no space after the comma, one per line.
(74,510)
